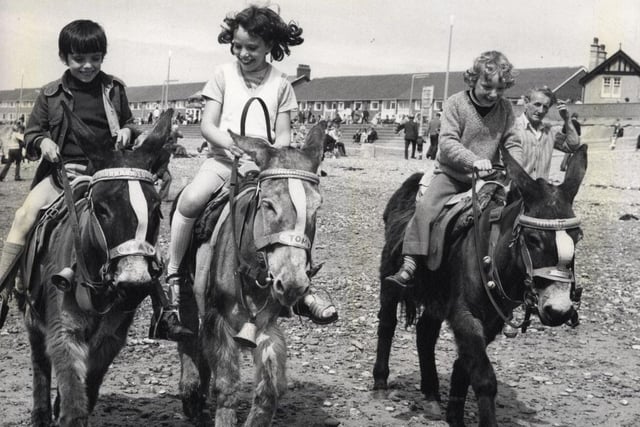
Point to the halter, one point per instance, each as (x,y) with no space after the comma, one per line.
(558,273)
(135,246)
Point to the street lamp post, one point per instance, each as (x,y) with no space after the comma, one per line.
(446,75)
(413,78)
(20,97)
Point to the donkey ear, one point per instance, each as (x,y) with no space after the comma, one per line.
(157,137)
(258,149)
(527,186)
(314,144)
(576,170)
(96,151)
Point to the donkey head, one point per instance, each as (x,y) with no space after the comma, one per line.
(124,215)
(547,231)
(289,200)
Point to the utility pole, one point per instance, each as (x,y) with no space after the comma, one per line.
(446,75)
(20,96)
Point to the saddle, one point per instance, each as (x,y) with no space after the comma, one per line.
(457,217)
(48,219)
(210,216)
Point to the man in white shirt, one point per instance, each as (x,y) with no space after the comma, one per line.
(539,139)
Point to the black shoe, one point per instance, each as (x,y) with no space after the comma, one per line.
(402,279)
(168,326)
(18,178)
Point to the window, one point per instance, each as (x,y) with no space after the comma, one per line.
(357,105)
(437,105)
(334,105)
(341,106)
(302,106)
(606,87)
(416,105)
(317,106)
(375,105)
(390,105)
(615,91)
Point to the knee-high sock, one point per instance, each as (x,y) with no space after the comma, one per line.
(409,264)
(181,227)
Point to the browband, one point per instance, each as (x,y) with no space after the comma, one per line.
(548,224)
(122,173)
(277,173)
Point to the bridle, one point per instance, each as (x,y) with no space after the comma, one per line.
(135,246)
(489,272)
(297,237)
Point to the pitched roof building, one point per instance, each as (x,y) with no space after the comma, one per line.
(610,80)
(390,94)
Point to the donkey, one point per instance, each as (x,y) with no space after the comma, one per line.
(90,274)
(519,253)
(260,262)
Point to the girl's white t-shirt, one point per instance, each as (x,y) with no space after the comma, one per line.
(228,87)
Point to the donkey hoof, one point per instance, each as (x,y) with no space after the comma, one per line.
(432,409)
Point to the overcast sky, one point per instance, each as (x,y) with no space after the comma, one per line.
(342,37)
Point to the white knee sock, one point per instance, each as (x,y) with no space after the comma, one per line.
(181,227)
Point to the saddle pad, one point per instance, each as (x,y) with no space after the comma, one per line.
(457,216)
(48,219)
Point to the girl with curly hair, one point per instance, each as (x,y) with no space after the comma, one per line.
(474,124)
(252,34)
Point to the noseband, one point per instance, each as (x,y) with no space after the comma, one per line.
(489,272)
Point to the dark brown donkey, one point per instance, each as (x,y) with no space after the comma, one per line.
(521,253)
(91,273)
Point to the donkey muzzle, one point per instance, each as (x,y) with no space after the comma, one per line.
(555,306)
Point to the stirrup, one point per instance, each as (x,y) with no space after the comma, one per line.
(165,325)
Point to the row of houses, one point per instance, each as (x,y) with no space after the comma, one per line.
(613,79)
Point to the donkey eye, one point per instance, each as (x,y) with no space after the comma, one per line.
(534,241)
(268,205)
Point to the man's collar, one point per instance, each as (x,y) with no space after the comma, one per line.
(528,124)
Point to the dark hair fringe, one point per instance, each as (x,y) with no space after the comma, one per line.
(265,23)
(82,36)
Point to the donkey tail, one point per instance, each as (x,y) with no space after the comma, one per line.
(397,214)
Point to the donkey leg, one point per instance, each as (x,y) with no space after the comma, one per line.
(69,359)
(104,346)
(194,371)
(387,321)
(427,332)
(41,365)
(457,394)
(223,355)
(473,367)
(270,379)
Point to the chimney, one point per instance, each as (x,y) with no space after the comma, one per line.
(602,55)
(594,54)
(303,70)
